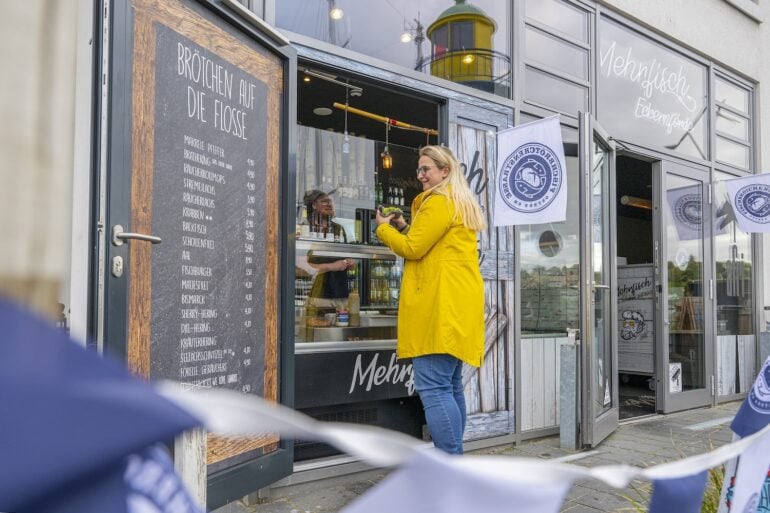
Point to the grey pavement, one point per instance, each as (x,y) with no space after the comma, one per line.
(642,442)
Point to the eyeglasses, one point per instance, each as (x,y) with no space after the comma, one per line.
(424,169)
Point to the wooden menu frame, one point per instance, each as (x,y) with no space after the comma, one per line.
(192,21)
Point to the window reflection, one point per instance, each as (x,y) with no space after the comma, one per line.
(550,277)
(559,15)
(735,337)
(556,54)
(414,35)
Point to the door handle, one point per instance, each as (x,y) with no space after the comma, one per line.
(599,286)
(118,236)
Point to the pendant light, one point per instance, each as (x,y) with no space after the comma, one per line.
(346,139)
(387,158)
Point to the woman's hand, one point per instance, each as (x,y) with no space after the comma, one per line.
(381,219)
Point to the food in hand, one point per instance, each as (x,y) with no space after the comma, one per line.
(386,211)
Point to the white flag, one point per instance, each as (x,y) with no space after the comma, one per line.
(750,198)
(531,184)
(686,211)
(433,481)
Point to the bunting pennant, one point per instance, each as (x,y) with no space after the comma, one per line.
(754,413)
(531,183)
(751,475)
(70,420)
(433,481)
(683,495)
(750,198)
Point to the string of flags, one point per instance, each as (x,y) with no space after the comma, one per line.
(80,434)
(491,483)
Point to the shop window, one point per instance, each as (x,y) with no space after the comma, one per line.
(632,108)
(549,286)
(551,91)
(733,153)
(396,31)
(732,113)
(559,15)
(542,48)
(734,296)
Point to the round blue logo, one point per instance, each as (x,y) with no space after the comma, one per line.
(530,178)
(753,202)
(759,397)
(687,210)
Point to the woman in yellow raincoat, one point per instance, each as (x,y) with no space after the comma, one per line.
(441,305)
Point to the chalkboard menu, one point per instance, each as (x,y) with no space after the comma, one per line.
(207,316)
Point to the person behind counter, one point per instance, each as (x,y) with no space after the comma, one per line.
(330,287)
(441,306)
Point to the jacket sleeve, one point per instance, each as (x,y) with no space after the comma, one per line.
(430,224)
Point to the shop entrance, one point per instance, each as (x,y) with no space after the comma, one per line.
(663,312)
(636,293)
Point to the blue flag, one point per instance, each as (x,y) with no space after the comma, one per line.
(754,413)
(70,419)
(683,495)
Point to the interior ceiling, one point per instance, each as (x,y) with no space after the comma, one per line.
(375,99)
(634,178)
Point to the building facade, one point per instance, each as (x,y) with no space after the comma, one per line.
(647,299)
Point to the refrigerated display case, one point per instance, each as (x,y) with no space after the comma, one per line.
(373,284)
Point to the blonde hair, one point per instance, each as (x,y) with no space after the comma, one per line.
(456,188)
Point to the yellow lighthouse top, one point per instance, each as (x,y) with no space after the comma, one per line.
(463,11)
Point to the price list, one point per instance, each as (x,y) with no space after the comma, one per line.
(208,189)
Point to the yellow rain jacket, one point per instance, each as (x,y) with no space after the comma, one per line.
(441,306)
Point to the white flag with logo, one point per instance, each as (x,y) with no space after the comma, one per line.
(686,211)
(750,198)
(531,182)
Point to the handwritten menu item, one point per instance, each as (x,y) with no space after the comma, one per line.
(207,301)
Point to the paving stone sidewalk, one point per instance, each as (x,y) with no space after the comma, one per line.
(645,442)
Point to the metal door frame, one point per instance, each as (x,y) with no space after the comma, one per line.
(595,428)
(665,401)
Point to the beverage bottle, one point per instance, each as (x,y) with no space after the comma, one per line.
(354,307)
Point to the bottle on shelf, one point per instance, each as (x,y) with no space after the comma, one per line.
(354,307)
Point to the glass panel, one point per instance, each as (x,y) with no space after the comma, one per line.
(556,54)
(553,92)
(732,153)
(650,94)
(683,209)
(602,339)
(734,294)
(396,31)
(342,290)
(550,264)
(731,95)
(559,15)
(462,36)
(732,124)
(440,41)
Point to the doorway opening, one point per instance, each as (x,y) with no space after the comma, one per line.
(636,292)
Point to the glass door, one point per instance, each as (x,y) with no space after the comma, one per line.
(598,290)
(683,293)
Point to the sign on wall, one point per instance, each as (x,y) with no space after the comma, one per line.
(650,94)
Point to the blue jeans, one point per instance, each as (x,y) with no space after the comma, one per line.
(438,379)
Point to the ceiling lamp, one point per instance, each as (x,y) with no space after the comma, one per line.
(346,140)
(468,58)
(336,13)
(387,158)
